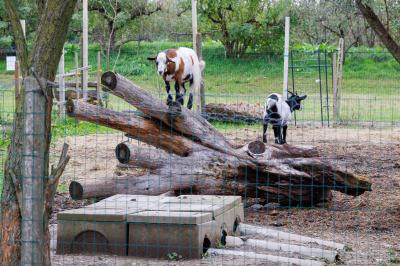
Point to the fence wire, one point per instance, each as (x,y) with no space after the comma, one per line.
(364,139)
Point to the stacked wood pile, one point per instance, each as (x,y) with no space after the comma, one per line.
(190,155)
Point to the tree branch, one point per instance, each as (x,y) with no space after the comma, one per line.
(380,30)
(19,38)
(55,175)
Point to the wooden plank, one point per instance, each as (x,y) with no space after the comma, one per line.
(201,97)
(61,80)
(77,73)
(334,87)
(85,45)
(286,58)
(33,171)
(256,244)
(247,229)
(280,260)
(98,87)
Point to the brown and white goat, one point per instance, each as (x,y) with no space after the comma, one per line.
(181,65)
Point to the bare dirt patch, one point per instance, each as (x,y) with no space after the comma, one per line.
(369,224)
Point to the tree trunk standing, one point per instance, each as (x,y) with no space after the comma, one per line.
(380,30)
(44,57)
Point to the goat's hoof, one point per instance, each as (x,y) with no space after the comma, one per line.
(174,108)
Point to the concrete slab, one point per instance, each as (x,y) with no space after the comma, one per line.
(93,214)
(83,237)
(169,217)
(159,240)
(149,226)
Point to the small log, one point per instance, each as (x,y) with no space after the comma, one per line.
(143,157)
(141,128)
(251,230)
(280,260)
(255,244)
(150,184)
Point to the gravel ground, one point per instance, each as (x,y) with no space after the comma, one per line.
(369,224)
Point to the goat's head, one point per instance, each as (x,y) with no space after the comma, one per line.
(166,62)
(294,101)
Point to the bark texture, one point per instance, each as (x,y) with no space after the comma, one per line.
(380,30)
(290,175)
(39,65)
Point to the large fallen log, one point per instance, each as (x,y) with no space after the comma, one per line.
(197,158)
(178,117)
(138,127)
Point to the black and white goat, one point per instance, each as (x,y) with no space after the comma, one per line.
(278,112)
(182,65)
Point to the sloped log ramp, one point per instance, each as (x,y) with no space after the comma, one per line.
(193,156)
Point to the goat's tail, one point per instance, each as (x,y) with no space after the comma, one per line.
(198,67)
(270,103)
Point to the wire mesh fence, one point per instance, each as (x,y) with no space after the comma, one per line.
(364,140)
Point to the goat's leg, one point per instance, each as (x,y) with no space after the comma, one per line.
(190,101)
(284,134)
(277,132)
(178,95)
(265,127)
(168,88)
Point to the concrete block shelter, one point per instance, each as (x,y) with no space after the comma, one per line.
(149,226)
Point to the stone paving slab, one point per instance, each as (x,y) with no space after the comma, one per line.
(169,217)
(215,210)
(96,214)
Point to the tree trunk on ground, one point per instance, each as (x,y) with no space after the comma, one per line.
(380,30)
(41,65)
(287,174)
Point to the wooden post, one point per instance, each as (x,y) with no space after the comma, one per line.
(23,25)
(33,173)
(201,97)
(339,75)
(334,87)
(16,78)
(286,58)
(194,22)
(85,43)
(61,88)
(98,88)
(77,75)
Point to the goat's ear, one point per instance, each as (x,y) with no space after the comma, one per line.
(303,97)
(152,58)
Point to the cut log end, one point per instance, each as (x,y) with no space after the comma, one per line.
(109,79)
(76,190)
(122,153)
(256,147)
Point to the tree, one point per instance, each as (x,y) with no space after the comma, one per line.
(328,20)
(38,65)
(241,23)
(379,28)
(115,16)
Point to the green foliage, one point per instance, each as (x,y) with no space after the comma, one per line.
(244,24)
(306,47)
